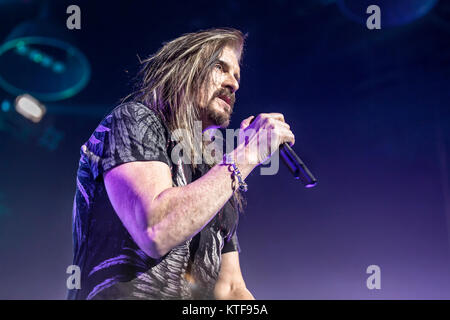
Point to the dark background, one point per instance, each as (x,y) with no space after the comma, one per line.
(370,110)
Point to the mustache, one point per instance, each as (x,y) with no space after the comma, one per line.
(227,93)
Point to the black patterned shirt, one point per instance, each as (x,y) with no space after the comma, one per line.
(112,264)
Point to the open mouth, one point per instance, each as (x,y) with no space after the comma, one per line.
(226,99)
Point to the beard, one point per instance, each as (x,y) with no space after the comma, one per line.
(217,115)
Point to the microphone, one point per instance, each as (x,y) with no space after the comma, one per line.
(296,165)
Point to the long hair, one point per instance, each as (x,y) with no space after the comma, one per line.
(170,82)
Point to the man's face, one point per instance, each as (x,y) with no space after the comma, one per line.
(220,91)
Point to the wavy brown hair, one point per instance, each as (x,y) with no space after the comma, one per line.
(170,81)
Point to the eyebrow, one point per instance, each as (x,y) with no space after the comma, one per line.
(236,75)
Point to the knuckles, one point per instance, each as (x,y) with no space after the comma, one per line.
(267,121)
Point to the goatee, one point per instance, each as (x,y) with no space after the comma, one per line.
(218,118)
(221,118)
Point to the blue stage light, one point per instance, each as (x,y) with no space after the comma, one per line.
(35,56)
(58,67)
(46,61)
(21,48)
(55,68)
(6,106)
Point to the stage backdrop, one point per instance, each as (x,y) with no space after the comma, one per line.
(370,110)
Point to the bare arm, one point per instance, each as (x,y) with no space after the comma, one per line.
(230,285)
(159,216)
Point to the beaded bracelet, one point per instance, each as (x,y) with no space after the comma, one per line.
(228,160)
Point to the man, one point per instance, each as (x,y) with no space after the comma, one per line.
(147,225)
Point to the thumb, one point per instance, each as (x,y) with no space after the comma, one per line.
(246,122)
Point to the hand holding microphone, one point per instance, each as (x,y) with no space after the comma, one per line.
(270,129)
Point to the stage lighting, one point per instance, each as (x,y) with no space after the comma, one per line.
(30,107)
(6,106)
(39,58)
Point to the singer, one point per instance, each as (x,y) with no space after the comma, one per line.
(146,225)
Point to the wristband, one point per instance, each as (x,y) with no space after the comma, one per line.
(228,160)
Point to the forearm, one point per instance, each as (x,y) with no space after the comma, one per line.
(237,294)
(178,213)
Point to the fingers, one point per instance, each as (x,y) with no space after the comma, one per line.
(285,135)
(273,115)
(282,124)
(246,122)
(272,123)
(275,122)
(271,120)
(276,136)
(265,134)
(277,116)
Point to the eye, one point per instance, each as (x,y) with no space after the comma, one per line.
(219,66)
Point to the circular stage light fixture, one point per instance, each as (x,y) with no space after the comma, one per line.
(38,58)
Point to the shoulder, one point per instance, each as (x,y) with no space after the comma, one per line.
(137,113)
(129,132)
(136,121)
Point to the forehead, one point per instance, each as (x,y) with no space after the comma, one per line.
(230,55)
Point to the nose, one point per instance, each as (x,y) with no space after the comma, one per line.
(231,83)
